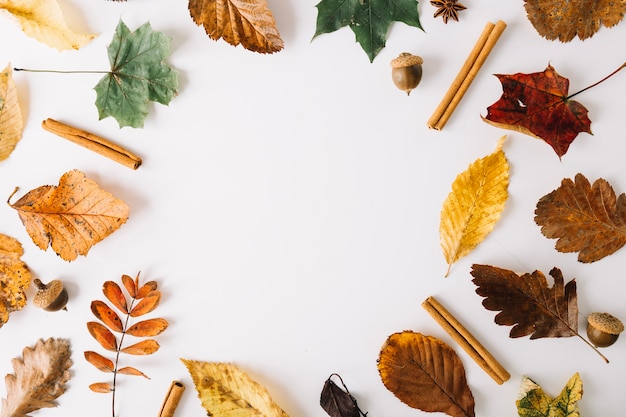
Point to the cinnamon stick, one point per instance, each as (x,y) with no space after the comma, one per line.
(483,47)
(93,142)
(466,340)
(171,399)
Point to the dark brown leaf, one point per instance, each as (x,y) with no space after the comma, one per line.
(147,328)
(425,373)
(114,294)
(147,304)
(99,361)
(145,347)
(588,219)
(527,303)
(337,402)
(130,285)
(129,370)
(105,314)
(103,335)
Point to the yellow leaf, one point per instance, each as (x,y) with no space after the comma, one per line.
(71,217)
(227,391)
(11,122)
(474,205)
(14,277)
(43,20)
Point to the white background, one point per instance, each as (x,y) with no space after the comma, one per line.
(288,205)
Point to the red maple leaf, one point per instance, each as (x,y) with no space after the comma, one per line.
(537,104)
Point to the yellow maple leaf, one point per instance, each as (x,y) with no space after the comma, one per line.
(474,205)
(11,121)
(14,277)
(43,20)
(227,391)
(71,217)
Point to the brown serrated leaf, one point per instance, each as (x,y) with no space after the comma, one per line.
(39,379)
(11,121)
(147,304)
(101,387)
(147,328)
(425,373)
(129,370)
(246,22)
(114,294)
(226,390)
(563,20)
(588,219)
(145,347)
(70,217)
(105,314)
(130,285)
(14,277)
(99,361)
(146,289)
(103,335)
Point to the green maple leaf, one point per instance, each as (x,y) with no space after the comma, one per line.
(368,19)
(138,75)
(534,402)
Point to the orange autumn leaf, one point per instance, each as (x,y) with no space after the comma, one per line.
(146,289)
(99,361)
(246,22)
(129,370)
(145,347)
(147,328)
(105,314)
(103,335)
(70,217)
(14,277)
(100,387)
(114,294)
(130,285)
(147,304)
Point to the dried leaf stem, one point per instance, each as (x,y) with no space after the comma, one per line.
(93,142)
(475,60)
(594,84)
(466,340)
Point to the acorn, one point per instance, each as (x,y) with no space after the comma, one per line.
(603,329)
(52,296)
(406,71)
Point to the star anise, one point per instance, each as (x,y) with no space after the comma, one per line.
(447,9)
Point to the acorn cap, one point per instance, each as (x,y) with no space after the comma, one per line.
(606,323)
(48,293)
(406,59)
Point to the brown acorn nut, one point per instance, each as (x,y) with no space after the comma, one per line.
(603,329)
(406,71)
(52,296)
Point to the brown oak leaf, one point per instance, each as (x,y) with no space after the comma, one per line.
(588,219)
(425,373)
(246,22)
(70,217)
(538,105)
(14,277)
(563,20)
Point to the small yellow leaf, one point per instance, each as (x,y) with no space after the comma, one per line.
(14,277)
(227,391)
(11,121)
(43,20)
(472,209)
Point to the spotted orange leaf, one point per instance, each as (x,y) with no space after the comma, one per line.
(147,328)
(145,347)
(114,294)
(105,314)
(147,304)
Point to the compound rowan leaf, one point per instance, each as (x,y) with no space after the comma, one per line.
(114,294)
(565,20)
(246,22)
(588,219)
(39,379)
(534,402)
(148,328)
(227,391)
(11,121)
(100,362)
(425,373)
(337,402)
(138,75)
(538,105)
(70,217)
(43,20)
(369,19)
(14,277)
(103,335)
(473,207)
(527,303)
(106,314)
(145,347)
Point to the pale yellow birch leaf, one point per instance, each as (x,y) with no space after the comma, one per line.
(474,205)
(43,20)
(227,391)
(11,122)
